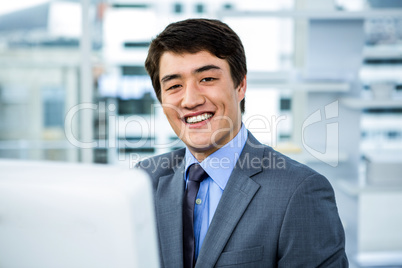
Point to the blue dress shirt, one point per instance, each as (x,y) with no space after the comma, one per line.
(219,165)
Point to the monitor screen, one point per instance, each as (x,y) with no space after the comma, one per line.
(75,215)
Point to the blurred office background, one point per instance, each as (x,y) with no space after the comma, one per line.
(324,87)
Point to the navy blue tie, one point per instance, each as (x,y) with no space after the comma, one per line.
(195,176)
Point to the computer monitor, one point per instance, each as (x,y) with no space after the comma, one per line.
(75,215)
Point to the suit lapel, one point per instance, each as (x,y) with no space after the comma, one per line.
(235,199)
(169,196)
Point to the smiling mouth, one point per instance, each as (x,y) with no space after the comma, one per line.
(198,118)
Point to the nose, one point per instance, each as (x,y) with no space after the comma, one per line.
(192,96)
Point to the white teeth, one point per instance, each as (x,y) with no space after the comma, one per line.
(198,118)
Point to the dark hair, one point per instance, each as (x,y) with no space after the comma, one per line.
(195,35)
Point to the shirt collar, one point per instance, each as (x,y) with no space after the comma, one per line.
(219,165)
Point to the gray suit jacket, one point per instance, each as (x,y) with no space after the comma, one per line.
(274,212)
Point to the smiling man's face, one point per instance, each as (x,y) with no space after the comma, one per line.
(200,100)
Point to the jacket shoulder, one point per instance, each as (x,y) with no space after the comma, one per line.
(287,169)
(163,164)
(267,162)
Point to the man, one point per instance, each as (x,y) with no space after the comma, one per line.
(253,207)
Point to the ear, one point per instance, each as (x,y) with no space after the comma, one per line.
(241,89)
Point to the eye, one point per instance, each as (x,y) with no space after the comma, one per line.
(174,87)
(208,79)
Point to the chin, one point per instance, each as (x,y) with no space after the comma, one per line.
(199,144)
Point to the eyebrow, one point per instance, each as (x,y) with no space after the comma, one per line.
(169,77)
(205,68)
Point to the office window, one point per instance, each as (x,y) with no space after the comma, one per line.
(141,105)
(199,8)
(178,8)
(285,104)
(53,107)
(133,70)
